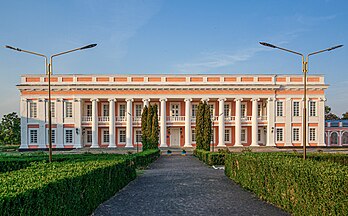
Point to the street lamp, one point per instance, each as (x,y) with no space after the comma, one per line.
(305,71)
(48,66)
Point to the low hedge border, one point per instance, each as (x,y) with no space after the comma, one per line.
(210,158)
(300,187)
(67,188)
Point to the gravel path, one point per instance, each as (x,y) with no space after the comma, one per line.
(178,185)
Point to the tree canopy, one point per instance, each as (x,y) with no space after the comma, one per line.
(10,129)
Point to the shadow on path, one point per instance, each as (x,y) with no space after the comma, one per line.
(178,185)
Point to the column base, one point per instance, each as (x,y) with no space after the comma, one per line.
(322,144)
(271,144)
(78,146)
(24,147)
(112,146)
(237,145)
(254,144)
(129,146)
(94,146)
(221,145)
(164,145)
(188,145)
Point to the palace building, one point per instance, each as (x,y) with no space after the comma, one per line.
(104,111)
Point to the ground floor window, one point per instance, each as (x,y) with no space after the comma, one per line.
(68,136)
(53,135)
(259,135)
(33,136)
(138,136)
(243,135)
(227,135)
(106,136)
(312,134)
(122,136)
(296,134)
(279,133)
(89,136)
(193,135)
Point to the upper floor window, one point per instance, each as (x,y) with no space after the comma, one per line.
(138,110)
(227,110)
(89,110)
(279,108)
(174,110)
(53,110)
(259,109)
(296,108)
(312,108)
(211,107)
(33,110)
(243,110)
(68,109)
(122,110)
(105,109)
(194,110)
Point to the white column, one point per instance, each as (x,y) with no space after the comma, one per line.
(163,124)
(94,123)
(188,122)
(112,143)
(146,102)
(270,122)
(221,142)
(24,123)
(288,125)
(254,124)
(129,126)
(238,125)
(59,122)
(78,121)
(321,123)
(42,133)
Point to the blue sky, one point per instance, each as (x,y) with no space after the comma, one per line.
(176,36)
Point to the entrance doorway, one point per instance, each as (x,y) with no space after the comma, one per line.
(174,137)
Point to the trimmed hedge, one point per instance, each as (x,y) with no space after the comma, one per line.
(332,157)
(210,158)
(69,187)
(299,187)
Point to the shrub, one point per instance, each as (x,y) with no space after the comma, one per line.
(300,187)
(210,158)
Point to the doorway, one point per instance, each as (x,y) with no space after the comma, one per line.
(174,137)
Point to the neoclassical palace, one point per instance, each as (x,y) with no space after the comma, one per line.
(104,111)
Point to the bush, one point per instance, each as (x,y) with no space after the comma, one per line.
(300,187)
(210,158)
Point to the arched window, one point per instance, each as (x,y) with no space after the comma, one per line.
(334,138)
(345,138)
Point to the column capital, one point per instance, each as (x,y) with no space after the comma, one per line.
(163,99)
(41,100)
(322,99)
(188,99)
(112,100)
(238,99)
(94,99)
(270,99)
(205,99)
(77,99)
(146,99)
(222,99)
(255,99)
(129,99)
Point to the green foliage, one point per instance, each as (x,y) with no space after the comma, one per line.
(345,116)
(144,136)
(199,125)
(203,127)
(210,158)
(300,187)
(149,127)
(155,128)
(69,187)
(10,129)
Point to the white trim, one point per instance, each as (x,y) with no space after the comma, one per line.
(102,109)
(170,108)
(282,135)
(119,110)
(315,134)
(119,135)
(299,135)
(72,134)
(246,135)
(230,135)
(102,136)
(37,136)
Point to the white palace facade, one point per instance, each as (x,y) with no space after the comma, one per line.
(104,111)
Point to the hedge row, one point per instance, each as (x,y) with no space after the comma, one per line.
(299,187)
(336,158)
(210,158)
(66,188)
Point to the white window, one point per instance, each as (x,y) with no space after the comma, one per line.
(279,134)
(296,108)
(33,136)
(193,135)
(122,110)
(89,110)
(296,134)
(138,110)
(259,135)
(194,110)
(33,109)
(122,136)
(312,108)
(138,136)
(105,109)
(243,110)
(174,110)
(279,108)
(227,135)
(68,109)
(89,136)
(312,134)
(259,109)
(227,110)
(106,137)
(53,110)
(69,136)
(53,135)
(243,135)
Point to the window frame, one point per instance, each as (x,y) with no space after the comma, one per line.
(279,109)
(229,135)
(298,134)
(243,114)
(68,110)
(281,134)
(228,110)
(312,109)
(245,135)
(119,109)
(296,112)
(32,109)
(119,136)
(310,130)
(30,136)
(65,136)
(54,135)
(136,131)
(193,135)
(137,105)
(105,111)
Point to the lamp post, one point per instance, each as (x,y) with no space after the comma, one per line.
(48,66)
(305,71)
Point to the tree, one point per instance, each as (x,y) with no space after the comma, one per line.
(10,129)
(345,115)
(144,135)
(207,130)
(149,126)
(155,129)
(329,115)
(199,125)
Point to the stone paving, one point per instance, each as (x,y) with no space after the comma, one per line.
(182,185)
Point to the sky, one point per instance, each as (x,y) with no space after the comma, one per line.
(174,36)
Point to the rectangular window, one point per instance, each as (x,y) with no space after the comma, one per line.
(193,135)
(175,110)
(89,136)
(312,108)
(122,135)
(122,110)
(312,134)
(138,110)
(279,108)
(69,136)
(194,110)
(138,136)
(243,110)
(227,110)
(259,109)
(259,135)
(227,135)
(279,134)
(53,110)
(296,108)
(68,110)
(33,109)
(243,135)
(53,135)
(106,137)
(106,110)
(33,136)
(89,110)
(296,134)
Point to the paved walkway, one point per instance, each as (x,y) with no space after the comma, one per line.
(182,185)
